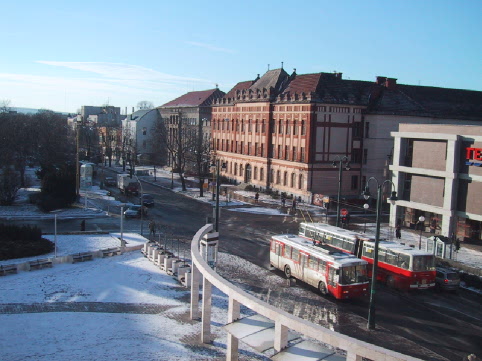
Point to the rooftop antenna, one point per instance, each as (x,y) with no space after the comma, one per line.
(282,65)
(268,67)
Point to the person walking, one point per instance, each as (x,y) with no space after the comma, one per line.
(152,229)
(283,200)
(293,205)
(398,231)
(256,197)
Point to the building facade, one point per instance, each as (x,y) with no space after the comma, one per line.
(437,170)
(282,132)
(191,113)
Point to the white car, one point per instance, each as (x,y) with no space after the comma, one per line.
(135,211)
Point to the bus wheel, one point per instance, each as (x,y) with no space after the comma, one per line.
(288,271)
(322,288)
(390,282)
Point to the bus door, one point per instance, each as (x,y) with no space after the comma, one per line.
(278,248)
(333,276)
(358,247)
(304,266)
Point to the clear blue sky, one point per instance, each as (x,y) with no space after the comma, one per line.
(61,55)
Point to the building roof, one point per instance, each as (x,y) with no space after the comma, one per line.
(137,115)
(244,85)
(195,98)
(430,101)
(275,79)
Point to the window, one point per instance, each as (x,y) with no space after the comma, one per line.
(261,174)
(287,252)
(249,126)
(144,131)
(256,146)
(294,154)
(263,127)
(262,149)
(295,255)
(313,263)
(285,178)
(367,130)
(287,153)
(278,177)
(280,127)
(295,128)
(279,151)
(287,129)
(302,154)
(303,128)
(354,182)
(144,144)
(249,148)
(365,156)
(256,128)
(271,176)
(300,181)
(255,174)
(293,180)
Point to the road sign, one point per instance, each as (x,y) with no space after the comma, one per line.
(344,212)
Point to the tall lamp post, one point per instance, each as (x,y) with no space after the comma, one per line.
(393,198)
(216,210)
(142,204)
(341,163)
(421,219)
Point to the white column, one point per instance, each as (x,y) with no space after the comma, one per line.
(232,344)
(194,293)
(280,336)
(206,312)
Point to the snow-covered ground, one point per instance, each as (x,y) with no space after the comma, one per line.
(116,308)
(122,307)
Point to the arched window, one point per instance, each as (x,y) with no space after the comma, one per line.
(255,173)
(278,177)
(261,174)
(293,180)
(271,176)
(241,169)
(300,182)
(235,168)
(285,178)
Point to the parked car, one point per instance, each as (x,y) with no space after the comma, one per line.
(446,279)
(135,211)
(147,200)
(109,181)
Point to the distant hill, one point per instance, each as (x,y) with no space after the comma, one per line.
(31,111)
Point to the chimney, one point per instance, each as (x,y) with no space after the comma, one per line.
(391,83)
(339,75)
(381,80)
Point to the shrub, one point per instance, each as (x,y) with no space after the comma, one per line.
(249,187)
(22,241)
(58,189)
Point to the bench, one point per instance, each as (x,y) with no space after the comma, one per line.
(40,263)
(8,269)
(108,252)
(81,257)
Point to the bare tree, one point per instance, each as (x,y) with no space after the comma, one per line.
(180,140)
(4,106)
(145,104)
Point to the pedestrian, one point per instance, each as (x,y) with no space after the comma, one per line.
(82,226)
(152,229)
(293,205)
(256,197)
(283,200)
(398,231)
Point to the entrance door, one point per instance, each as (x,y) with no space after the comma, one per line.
(247,174)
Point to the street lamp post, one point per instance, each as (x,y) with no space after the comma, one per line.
(393,198)
(421,219)
(216,210)
(365,207)
(142,203)
(341,163)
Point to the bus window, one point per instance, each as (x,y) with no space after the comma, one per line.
(287,253)
(403,261)
(295,255)
(302,229)
(381,255)
(391,258)
(349,246)
(368,252)
(313,263)
(423,263)
(322,268)
(353,274)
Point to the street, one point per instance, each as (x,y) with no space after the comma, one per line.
(447,326)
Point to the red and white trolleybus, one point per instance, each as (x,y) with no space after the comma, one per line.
(399,266)
(340,274)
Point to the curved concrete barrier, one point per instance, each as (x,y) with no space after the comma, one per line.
(355,349)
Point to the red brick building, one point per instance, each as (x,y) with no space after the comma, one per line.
(283,132)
